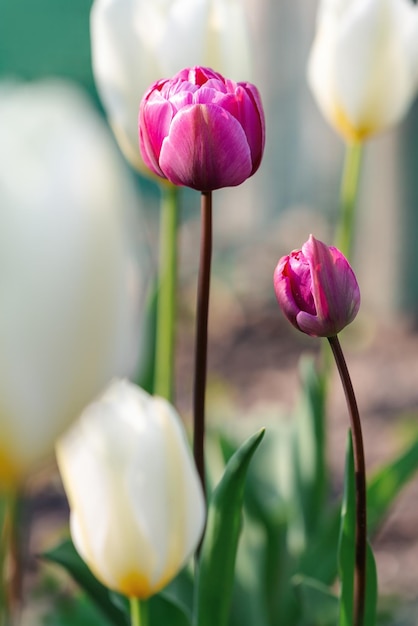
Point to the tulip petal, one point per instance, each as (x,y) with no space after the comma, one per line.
(242,102)
(205,149)
(283,290)
(154,122)
(253,122)
(334,285)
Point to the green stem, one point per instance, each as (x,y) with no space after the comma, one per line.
(166,307)
(139,612)
(348,198)
(10,559)
(202,312)
(360,478)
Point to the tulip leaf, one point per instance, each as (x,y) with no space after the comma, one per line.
(319,604)
(163,609)
(73,611)
(309,456)
(387,483)
(217,561)
(346,556)
(318,560)
(370,609)
(67,556)
(346,548)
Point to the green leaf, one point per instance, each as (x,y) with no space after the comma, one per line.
(310,458)
(346,548)
(319,559)
(181,590)
(73,611)
(165,610)
(319,604)
(370,609)
(248,606)
(387,483)
(66,555)
(219,548)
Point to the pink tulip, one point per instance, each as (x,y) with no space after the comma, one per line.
(317,289)
(201,130)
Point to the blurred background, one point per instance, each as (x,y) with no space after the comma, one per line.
(253,353)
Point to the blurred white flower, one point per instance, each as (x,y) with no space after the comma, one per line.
(363,67)
(137,507)
(70,285)
(136,42)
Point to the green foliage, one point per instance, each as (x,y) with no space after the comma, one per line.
(309,457)
(288,558)
(101,606)
(217,560)
(293,545)
(165,610)
(74,610)
(370,609)
(66,555)
(319,604)
(387,483)
(346,546)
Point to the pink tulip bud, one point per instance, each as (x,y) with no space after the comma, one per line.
(317,289)
(201,130)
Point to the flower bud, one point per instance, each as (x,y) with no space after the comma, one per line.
(363,67)
(317,289)
(201,130)
(135,42)
(137,507)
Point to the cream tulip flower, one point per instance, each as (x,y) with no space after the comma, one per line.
(70,286)
(363,67)
(137,507)
(136,42)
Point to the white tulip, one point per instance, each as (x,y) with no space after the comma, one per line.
(136,42)
(69,283)
(137,507)
(363,67)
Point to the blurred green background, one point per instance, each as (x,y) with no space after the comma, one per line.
(46,37)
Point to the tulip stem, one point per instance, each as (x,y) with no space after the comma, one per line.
(202,311)
(360,484)
(10,559)
(348,197)
(139,612)
(166,307)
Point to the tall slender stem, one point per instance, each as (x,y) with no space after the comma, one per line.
(348,198)
(139,612)
(202,333)
(11,572)
(360,483)
(166,307)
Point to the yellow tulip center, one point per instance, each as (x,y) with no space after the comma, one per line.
(352,133)
(9,471)
(135,585)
